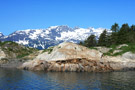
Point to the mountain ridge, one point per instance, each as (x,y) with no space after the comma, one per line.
(43,38)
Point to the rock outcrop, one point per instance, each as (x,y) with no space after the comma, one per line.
(13,54)
(67,51)
(2,54)
(73,57)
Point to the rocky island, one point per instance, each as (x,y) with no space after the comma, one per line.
(66,56)
(73,57)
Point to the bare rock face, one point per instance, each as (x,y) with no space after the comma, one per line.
(2,57)
(66,57)
(128,55)
(65,51)
(126,61)
(2,54)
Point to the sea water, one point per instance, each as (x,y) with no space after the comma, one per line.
(14,79)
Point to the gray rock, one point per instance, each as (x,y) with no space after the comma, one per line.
(116,51)
(2,54)
(129,55)
(122,46)
(103,49)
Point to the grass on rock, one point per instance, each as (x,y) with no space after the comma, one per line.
(123,49)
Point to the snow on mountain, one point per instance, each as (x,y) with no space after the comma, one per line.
(43,38)
(1,35)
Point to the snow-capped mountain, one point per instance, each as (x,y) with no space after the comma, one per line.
(1,35)
(43,38)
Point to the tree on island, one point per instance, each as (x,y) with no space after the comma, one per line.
(122,34)
(115,27)
(103,38)
(90,41)
(132,28)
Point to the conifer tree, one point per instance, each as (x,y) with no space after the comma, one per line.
(81,43)
(103,38)
(131,35)
(115,27)
(123,34)
(90,41)
(132,28)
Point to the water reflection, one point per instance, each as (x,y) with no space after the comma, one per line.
(11,79)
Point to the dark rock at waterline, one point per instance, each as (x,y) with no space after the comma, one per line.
(78,65)
(74,65)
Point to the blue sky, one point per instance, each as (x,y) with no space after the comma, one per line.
(34,14)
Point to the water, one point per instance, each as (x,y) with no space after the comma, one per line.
(13,79)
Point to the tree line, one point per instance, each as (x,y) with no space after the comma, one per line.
(118,35)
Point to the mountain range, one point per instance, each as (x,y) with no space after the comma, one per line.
(43,38)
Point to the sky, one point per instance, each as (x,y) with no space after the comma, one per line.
(38,14)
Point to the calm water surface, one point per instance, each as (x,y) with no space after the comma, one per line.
(13,79)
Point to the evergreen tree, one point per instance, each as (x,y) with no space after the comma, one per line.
(132,28)
(108,40)
(115,30)
(90,41)
(81,43)
(103,39)
(114,37)
(125,28)
(123,34)
(115,27)
(131,35)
